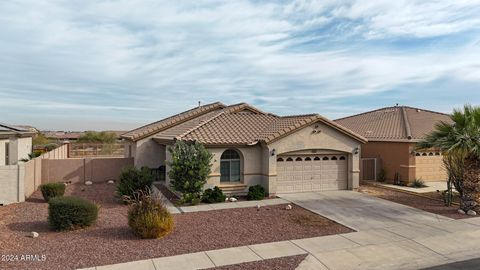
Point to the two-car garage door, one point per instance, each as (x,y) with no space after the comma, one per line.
(311,173)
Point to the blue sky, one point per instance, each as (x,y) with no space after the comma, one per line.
(75,65)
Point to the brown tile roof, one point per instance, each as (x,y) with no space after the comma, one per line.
(150,129)
(399,123)
(240,124)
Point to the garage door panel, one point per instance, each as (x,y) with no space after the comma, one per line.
(312,173)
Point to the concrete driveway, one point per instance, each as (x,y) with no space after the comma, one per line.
(360,211)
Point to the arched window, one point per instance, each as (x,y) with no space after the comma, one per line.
(279,159)
(289,159)
(334,158)
(417,154)
(424,154)
(298,159)
(308,159)
(230,166)
(437,153)
(316,158)
(325,158)
(342,158)
(430,154)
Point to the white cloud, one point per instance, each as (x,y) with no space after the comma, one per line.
(163,56)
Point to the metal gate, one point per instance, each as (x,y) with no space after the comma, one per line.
(369,169)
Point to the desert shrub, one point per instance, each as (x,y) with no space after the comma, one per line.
(148,217)
(256,192)
(214,195)
(382,175)
(68,213)
(418,183)
(133,180)
(189,169)
(51,190)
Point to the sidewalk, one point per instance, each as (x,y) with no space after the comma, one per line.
(398,247)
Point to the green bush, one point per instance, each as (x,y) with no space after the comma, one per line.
(69,213)
(148,218)
(133,180)
(418,183)
(256,192)
(214,195)
(189,169)
(52,190)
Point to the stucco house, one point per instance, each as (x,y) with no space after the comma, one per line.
(392,135)
(297,153)
(15,144)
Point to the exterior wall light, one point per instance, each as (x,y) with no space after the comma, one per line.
(355,151)
(273,152)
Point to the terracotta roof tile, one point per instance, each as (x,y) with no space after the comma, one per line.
(235,124)
(399,123)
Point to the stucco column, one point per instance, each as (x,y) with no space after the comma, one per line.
(168,158)
(269,164)
(354,169)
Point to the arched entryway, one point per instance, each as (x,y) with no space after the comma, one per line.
(230,164)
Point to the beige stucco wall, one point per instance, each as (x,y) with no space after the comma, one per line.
(2,152)
(81,170)
(393,157)
(146,152)
(306,139)
(19,149)
(251,170)
(430,168)
(12,184)
(399,157)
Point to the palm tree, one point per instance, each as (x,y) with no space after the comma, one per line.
(461,139)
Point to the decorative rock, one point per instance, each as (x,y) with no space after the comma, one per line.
(88,183)
(110,182)
(226,199)
(460,211)
(233,199)
(34,234)
(471,213)
(288,207)
(258,206)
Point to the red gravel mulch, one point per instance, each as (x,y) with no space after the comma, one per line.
(283,263)
(111,241)
(431,204)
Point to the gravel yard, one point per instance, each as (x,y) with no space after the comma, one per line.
(432,204)
(284,263)
(111,241)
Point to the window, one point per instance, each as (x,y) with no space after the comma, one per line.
(289,159)
(437,153)
(417,154)
(430,154)
(230,166)
(342,158)
(316,158)
(7,154)
(279,159)
(308,159)
(298,159)
(424,154)
(334,158)
(325,158)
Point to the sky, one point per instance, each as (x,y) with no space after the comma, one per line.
(116,65)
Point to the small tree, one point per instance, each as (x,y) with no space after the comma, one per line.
(189,169)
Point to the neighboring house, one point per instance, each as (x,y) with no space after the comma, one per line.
(73,136)
(15,144)
(284,154)
(392,135)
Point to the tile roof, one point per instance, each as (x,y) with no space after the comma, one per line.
(150,129)
(10,130)
(240,124)
(399,123)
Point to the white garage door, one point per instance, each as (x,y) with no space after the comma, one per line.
(311,173)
